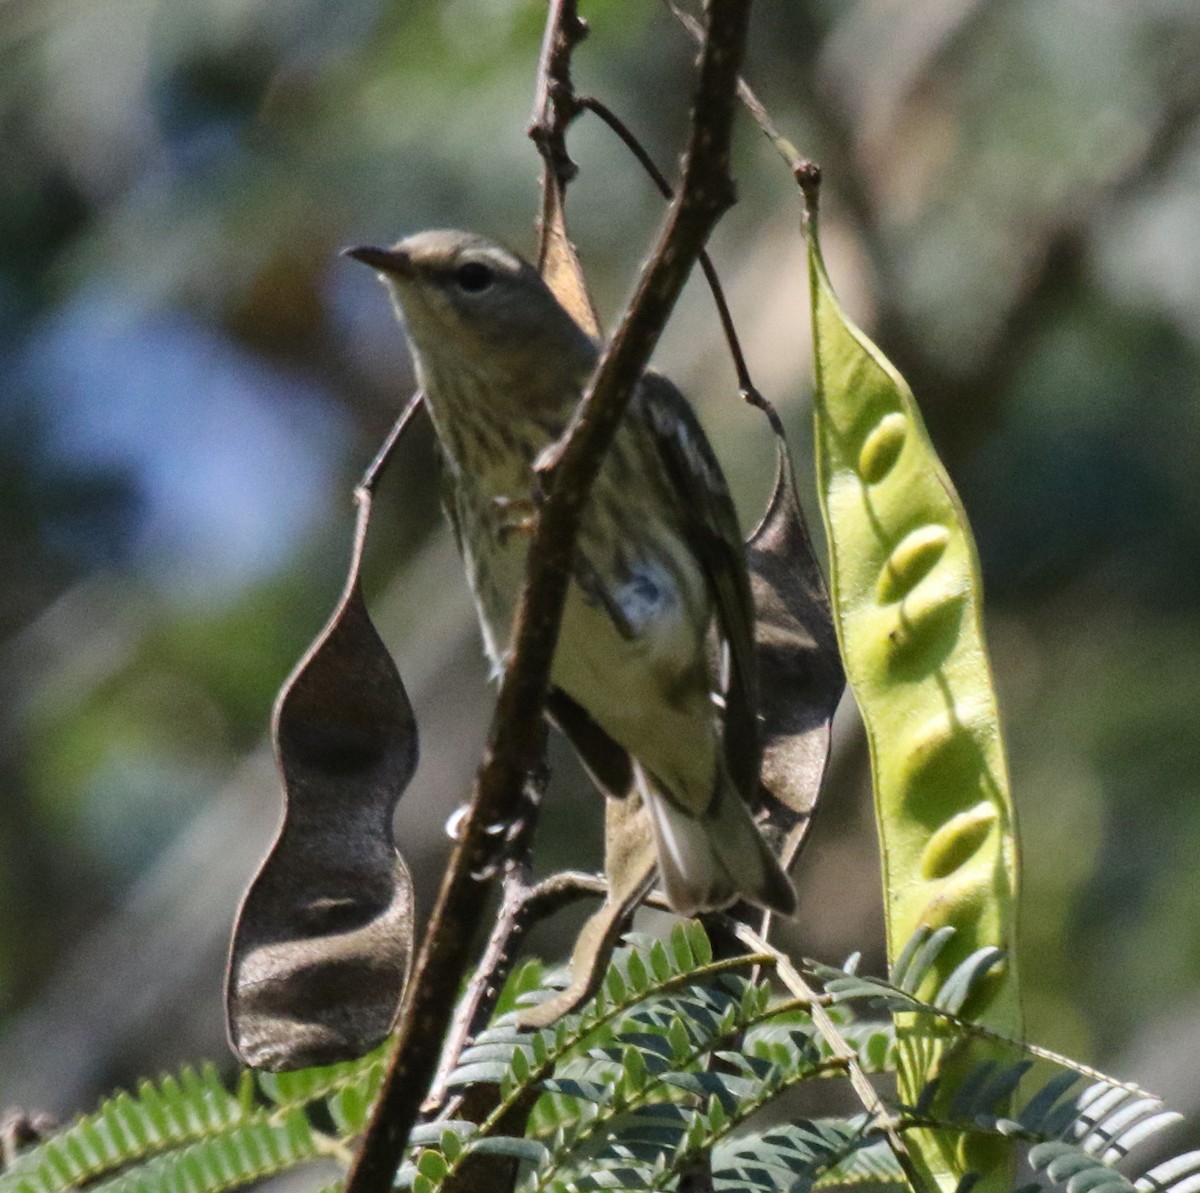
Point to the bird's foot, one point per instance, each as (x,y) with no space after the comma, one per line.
(510,838)
(514,515)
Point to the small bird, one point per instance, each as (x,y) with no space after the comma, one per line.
(659,556)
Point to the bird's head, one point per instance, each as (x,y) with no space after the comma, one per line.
(469,302)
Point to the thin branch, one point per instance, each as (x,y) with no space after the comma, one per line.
(747,390)
(364,491)
(555,107)
(554,104)
(618,126)
(793,979)
(705,193)
(524,904)
(370,479)
(803,170)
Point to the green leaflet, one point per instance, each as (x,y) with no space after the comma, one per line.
(907,602)
(665,1067)
(189,1133)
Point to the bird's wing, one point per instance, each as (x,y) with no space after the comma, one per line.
(710,522)
(449,495)
(607,763)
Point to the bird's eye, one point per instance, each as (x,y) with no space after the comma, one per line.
(473,276)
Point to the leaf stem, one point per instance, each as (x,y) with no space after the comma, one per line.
(794,980)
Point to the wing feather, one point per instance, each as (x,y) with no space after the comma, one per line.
(711,524)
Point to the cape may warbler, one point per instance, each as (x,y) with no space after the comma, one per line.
(659,558)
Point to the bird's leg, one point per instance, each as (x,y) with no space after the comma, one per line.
(519,830)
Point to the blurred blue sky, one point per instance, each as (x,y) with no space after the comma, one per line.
(231,462)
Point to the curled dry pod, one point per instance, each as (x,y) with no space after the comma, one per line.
(800,676)
(907,600)
(323,939)
(629,868)
(558,262)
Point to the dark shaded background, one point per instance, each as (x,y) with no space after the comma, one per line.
(192,380)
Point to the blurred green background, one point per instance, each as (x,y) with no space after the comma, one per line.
(192,381)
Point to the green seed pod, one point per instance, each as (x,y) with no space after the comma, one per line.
(907,602)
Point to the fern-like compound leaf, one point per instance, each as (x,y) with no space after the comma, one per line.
(125,1130)
(955,990)
(244,1153)
(1178,1175)
(1036,1115)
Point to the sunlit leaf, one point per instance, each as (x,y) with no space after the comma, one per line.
(908,604)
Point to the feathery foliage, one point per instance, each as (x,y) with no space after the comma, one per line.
(664,1069)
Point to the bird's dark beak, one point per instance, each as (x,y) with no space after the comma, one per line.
(391,261)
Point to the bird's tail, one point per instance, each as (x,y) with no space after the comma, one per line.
(716,858)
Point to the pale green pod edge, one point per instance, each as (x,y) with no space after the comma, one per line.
(908,606)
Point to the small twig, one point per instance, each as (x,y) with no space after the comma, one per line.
(793,979)
(524,904)
(705,192)
(803,169)
(618,126)
(479,1000)
(364,491)
(748,391)
(807,175)
(370,479)
(554,104)
(555,107)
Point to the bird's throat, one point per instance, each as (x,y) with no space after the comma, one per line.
(492,426)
